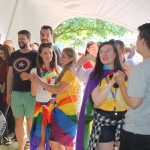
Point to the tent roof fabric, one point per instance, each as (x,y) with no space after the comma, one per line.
(32,14)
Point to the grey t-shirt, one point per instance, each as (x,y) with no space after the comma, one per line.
(138,120)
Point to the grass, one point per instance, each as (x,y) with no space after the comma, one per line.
(13,146)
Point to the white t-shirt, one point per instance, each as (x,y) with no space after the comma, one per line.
(129,62)
(137,58)
(42,94)
(83,73)
(138,120)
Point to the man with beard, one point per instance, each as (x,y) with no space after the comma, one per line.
(46,36)
(18,91)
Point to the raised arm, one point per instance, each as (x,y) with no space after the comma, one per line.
(80,72)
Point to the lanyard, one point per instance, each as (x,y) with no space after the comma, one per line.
(113,95)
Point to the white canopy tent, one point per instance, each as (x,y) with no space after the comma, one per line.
(17,15)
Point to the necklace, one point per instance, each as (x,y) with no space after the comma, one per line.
(48,75)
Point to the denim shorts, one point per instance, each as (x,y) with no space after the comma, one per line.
(108,132)
(132,141)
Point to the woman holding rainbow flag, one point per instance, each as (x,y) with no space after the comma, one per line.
(48,70)
(63,123)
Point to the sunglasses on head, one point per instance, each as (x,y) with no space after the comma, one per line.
(112,41)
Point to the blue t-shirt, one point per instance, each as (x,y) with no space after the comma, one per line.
(22,62)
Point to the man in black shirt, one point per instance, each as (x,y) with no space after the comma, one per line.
(46,36)
(18,91)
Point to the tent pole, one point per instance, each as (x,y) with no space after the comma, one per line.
(12,18)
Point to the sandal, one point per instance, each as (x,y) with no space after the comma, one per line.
(27,145)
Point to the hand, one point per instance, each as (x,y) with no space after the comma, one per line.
(8,100)
(24,76)
(113,80)
(121,73)
(82,60)
(31,76)
(34,84)
(35,79)
(90,57)
(120,78)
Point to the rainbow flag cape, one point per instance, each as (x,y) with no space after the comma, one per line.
(87,112)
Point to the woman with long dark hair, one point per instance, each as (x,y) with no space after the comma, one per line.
(47,69)
(63,123)
(4,59)
(103,103)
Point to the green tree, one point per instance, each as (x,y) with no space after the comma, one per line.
(76,30)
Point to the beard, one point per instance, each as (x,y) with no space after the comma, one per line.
(23,46)
(44,41)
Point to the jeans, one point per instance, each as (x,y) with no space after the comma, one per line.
(131,141)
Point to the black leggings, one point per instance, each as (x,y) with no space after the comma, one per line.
(11,120)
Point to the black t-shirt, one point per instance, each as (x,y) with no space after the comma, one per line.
(22,62)
(58,53)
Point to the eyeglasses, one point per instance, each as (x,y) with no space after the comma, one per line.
(112,41)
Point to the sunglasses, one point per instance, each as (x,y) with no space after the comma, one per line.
(112,41)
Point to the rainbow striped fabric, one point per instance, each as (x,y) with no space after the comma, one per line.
(42,113)
(63,126)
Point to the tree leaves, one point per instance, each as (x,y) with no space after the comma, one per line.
(76,31)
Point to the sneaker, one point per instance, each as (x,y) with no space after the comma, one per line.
(6,141)
(14,138)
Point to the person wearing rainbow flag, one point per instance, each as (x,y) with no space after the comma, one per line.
(63,122)
(103,104)
(48,70)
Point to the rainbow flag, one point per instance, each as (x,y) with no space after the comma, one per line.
(63,126)
(87,113)
(42,113)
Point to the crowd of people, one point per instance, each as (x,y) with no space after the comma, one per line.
(43,84)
